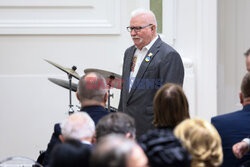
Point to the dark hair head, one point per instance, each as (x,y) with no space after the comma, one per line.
(247,52)
(71,153)
(170,106)
(119,123)
(164,149)
(92,86)
(245,85)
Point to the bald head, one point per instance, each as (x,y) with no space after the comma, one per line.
(92,88)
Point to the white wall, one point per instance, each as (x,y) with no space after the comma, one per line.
(234,40)
(30,104)
(196,40)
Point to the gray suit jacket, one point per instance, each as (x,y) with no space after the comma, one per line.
(165,66)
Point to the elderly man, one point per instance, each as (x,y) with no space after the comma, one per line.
(118,151)
(233,127)
(92,94)
(148,64)
(78,127)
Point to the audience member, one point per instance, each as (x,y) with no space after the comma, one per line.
(164,149)
(118,151)
(92,94)
(202,141)
(170,106)
(72,153)
(118,123)
(78,126)
(241,148)
(233,127)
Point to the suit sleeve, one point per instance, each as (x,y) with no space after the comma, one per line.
(53,141)
(171,69)
(120,106)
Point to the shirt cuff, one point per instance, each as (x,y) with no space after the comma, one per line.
(247,140)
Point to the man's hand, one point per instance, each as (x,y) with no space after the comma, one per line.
(240,149)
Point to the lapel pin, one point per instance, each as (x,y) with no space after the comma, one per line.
(148,58)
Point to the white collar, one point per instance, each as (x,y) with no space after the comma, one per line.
(150,44)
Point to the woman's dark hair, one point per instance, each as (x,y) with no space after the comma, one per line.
(170,106)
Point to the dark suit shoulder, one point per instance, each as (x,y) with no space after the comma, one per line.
(129,50)
(167,47)
(226,116)
(167,53)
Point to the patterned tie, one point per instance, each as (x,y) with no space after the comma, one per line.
(133,64)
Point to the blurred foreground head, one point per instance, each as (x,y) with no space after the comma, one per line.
(118,151)
(202,140)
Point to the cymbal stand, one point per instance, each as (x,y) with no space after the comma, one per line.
(71,109)
(111,78)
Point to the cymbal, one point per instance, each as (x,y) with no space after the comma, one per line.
(67,70)
(64,83)
(105,74)
(113,79)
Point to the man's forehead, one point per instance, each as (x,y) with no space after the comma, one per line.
(139,18)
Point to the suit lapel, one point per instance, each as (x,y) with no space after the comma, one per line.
(128,63)
(144,65)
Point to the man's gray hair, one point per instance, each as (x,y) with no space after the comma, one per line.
(92,86)
(78,126)
(140,11)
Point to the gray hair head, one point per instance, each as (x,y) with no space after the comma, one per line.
(149,15)
(78,126)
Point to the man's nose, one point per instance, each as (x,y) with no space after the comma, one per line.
(133,32)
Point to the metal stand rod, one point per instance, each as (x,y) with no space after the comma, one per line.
(111,78)
(109,99)
(71,110)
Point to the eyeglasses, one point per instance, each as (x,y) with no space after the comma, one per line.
(138,28)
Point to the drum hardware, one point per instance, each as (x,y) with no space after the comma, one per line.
(70,73)
(113,81)
(71,110)
(63,83)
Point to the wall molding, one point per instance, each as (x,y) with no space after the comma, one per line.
(60,17)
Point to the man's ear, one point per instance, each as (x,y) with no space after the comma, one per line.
(106,97)
(77,96)
(61,138)
(241,98)
(129,136)
(153,28)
